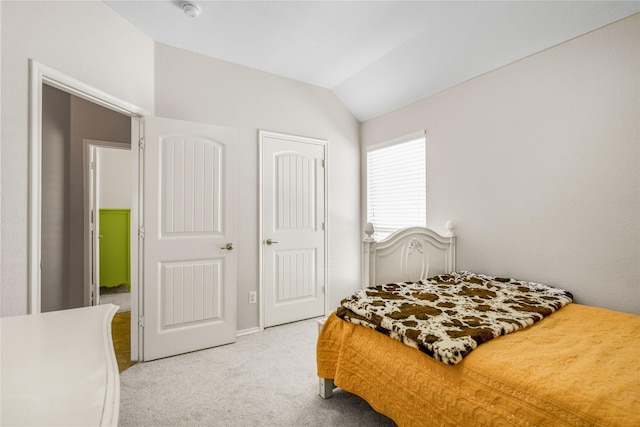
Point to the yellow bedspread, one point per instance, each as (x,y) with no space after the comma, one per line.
(579,366)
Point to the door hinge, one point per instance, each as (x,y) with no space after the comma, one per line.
(93,165)
(141,321)
(141,232)
(141,143)
(322,162)
(323,226)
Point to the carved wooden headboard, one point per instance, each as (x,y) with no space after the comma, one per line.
(409,254)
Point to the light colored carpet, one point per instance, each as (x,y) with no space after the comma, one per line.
(264,379)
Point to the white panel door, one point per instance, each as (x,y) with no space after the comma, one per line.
(293,228)
(189,231)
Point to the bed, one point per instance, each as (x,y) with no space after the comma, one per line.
(579,366)
(59,368)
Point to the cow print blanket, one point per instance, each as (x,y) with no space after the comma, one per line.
(449,315)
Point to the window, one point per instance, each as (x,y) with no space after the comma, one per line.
(397,185)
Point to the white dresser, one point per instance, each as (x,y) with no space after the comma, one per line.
(59,368)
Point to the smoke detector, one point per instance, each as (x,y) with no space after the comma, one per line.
(191,9)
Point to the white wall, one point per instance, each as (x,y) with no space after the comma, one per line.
(217,92)
(85,40)
(114,167)
(538,164)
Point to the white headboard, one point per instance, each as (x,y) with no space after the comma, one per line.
(409,254)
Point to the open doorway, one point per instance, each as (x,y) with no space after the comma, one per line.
(66,249)
(108,183)
(83,180)
(45,79)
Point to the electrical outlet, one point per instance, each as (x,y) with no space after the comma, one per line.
(253,297)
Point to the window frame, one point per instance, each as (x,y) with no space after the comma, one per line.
(365,169)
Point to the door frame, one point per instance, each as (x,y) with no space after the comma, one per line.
(91,193)
(40,74)
(262,134)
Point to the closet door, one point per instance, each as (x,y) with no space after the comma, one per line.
(293,228)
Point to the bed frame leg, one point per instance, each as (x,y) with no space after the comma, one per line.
(326,387)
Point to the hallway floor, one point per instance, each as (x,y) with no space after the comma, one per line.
(121,335)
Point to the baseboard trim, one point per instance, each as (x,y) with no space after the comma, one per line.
(247,331)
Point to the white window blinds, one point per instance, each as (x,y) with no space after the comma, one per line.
(396,186)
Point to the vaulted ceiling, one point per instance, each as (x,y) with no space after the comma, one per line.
(375,56)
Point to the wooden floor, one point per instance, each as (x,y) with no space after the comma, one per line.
(121,333)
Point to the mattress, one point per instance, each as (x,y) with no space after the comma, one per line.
(578,366)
